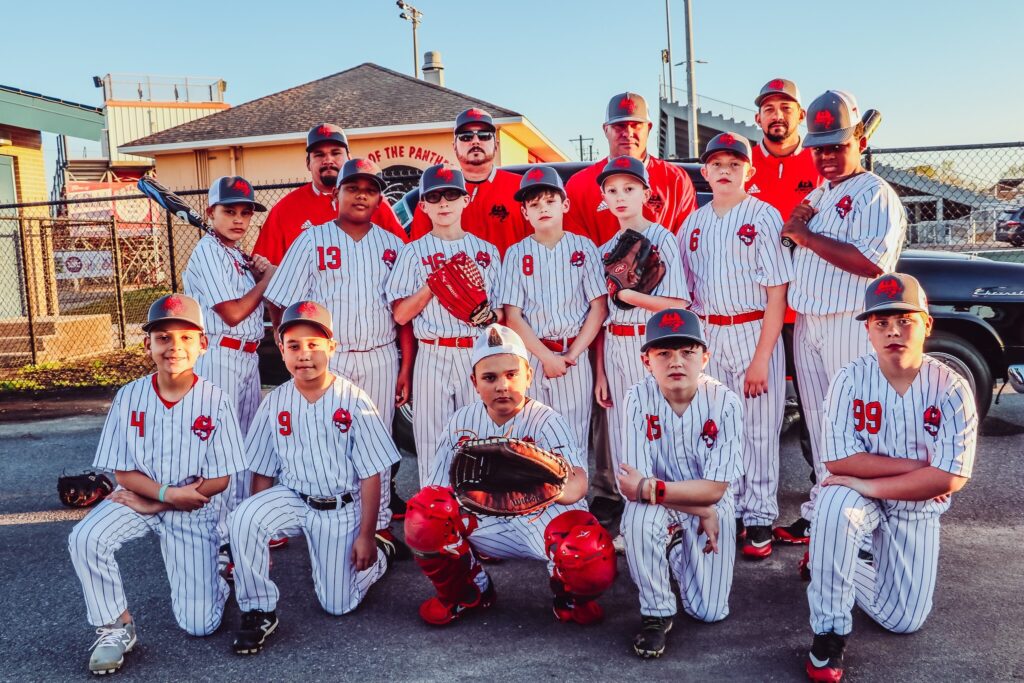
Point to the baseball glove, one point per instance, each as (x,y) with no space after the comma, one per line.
(459,287)
(507,477)
(633,263)
(83,490)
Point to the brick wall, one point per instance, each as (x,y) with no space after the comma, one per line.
(29,171)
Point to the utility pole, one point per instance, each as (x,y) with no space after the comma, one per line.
(413,15)
(668,33)
(579,141)
(691,82)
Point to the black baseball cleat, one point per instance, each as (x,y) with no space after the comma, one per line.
(393,548)
(650,641)
(255,628)
(825,660)
(797,533)
(741,531)
(758,542)
(397,505)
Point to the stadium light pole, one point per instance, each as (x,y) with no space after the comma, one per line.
(413,15)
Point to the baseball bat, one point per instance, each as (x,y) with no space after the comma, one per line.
(871,119)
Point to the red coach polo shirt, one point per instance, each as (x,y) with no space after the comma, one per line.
(492,214)
(305,207)
(672,200)
(783,182)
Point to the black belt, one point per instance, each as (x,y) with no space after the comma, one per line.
(332,503)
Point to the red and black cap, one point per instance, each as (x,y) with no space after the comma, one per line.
(353,169)
(174,307)
(831,119)
(231,189)
(625,165)
(726,142)
(310,313)
(326,132)
(474,115)
(778,86)
(673,324)
(441,177)
(627,106)
(539,176)
(894,293)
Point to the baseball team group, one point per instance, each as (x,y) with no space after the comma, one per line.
(618,325)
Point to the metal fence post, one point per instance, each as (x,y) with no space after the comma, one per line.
(869,160)
(170,251)
(28,294)
(118,293)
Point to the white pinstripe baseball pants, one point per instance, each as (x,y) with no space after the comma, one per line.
(822,345)
(897,591)
(623,368)
(188,543)
(571,395)
(330,535)
(732,348)
(441,385)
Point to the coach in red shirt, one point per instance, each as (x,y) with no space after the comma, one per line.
(627,127)
(493,214)
(313,203)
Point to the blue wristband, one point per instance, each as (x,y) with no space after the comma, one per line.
(163,490)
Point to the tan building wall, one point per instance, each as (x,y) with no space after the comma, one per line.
(126,121)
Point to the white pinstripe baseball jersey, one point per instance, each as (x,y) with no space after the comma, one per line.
(197,436)
(673,284)
(421,257)
(345,276)
(935,421)
(536,422)
(863,211)
(322,448)
(729,261)
(215,274)
(553,287)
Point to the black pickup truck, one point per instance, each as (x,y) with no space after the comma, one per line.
(977,304)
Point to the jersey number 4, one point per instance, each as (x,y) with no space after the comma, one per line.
(867,416)
(329,258)
(138,421)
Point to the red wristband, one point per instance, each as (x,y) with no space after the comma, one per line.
(659,491)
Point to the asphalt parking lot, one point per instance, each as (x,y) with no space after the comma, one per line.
(973,633)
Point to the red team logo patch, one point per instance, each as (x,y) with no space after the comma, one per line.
(621,162)
(324,131)
(672,321)
(844,206)
(890,287)
(342,420)
(932,420)
(710,433)
(242,187)
(475,114)
(483,259)
(824,118)
(389,257)
(307,309)
(726,139)
(747,233)
(535,174)
(203,427)
(577,259)
(174,305)
(445,174)
(627,105)
(777,84)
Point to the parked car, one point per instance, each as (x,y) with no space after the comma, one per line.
(977,304)
(1010,227)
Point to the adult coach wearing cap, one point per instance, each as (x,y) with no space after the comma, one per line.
(313,203)
(627,128)
(493,213)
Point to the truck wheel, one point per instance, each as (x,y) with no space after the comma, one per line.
(401,429)
(961,356)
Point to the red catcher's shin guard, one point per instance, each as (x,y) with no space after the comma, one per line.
(452,576)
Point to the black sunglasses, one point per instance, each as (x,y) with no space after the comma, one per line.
(450,195)
(479,135)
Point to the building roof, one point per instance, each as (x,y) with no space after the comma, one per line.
(33,111)
(363,97)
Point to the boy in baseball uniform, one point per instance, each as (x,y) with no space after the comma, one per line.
(555,299)
(447,541)
(900,434)
(737,271)
(847,232)
(681,454)
(322,438)
(172,441)
(441,376)
(344,264)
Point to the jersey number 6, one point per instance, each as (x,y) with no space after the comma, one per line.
(694,239)
(869,416)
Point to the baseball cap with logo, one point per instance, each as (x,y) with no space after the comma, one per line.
(673,324)
(627,106)
(726,142)
(325,132)
(353,169)
(625,165)
(539,176)
(778,86)
(831,119)
(498,339)
(441,177)
(174,307)
(308,312)
(474,115)
(894,293)
(231,189)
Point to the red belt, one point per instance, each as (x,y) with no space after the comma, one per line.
(239,345)
(558,345)
(627,330)
(748,317)
(452,342)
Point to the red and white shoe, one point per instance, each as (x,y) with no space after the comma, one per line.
(579,611)
(278,542)
(797,533)
(758,542)
(436,612)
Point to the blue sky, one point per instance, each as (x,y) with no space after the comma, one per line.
(941,73)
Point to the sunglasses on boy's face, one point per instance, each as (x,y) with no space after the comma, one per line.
(479,135)
(450,195)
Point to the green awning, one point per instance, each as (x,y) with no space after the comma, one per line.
(38,112)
